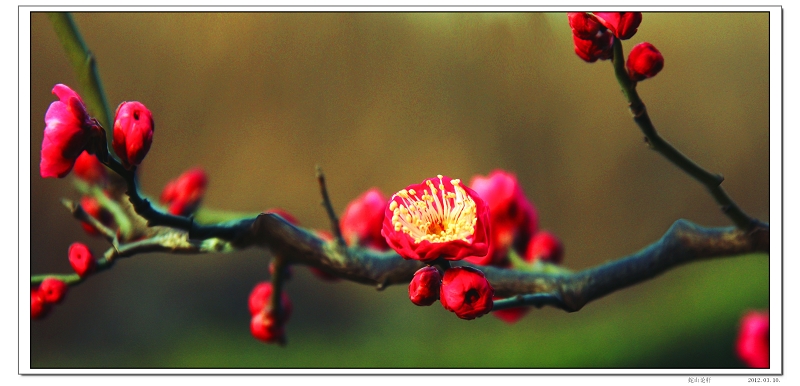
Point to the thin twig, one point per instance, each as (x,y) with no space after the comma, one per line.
(167,240)
(326,202)
(79,213)
(712,182)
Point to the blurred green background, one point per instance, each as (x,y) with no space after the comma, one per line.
(385,100)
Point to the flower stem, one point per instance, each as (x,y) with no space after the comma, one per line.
(84,63)
(279,265)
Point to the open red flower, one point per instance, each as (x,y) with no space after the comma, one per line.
(466,292)
(752,345)
(67,132)
(513,218)
(437,218)
(89,169)
(363,220)
(545,246)
(133,133)
(183,194)
(424,287)
(622,24)
(644,61)
(81,259)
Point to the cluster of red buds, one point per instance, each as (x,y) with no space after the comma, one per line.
(441,219)
(51,291)
(69,131)
(266,324)
(514,230)
(438,220)
(593,35)
(752,345)
(73,140)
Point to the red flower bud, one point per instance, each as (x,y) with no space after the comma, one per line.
(424,287)
(363,220)
(644,61)
(265,328)
(183,194)
(68,129)
(466,292)
(598,47)
(133,133)
(93,208)
(546,247)
(52,290)
(89,169)
(260,298)
(511,315)
(437,218)
(622,24)
(81,259)
(513,218)
(39,307)
(752,345)
(583,25)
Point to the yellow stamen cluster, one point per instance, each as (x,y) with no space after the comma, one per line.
(437,215)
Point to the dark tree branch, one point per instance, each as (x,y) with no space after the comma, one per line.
(300,246)
(712,182)
(684,242)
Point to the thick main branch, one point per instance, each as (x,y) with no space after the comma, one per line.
(684,242)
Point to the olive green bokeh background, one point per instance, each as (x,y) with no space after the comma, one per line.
(385,100)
